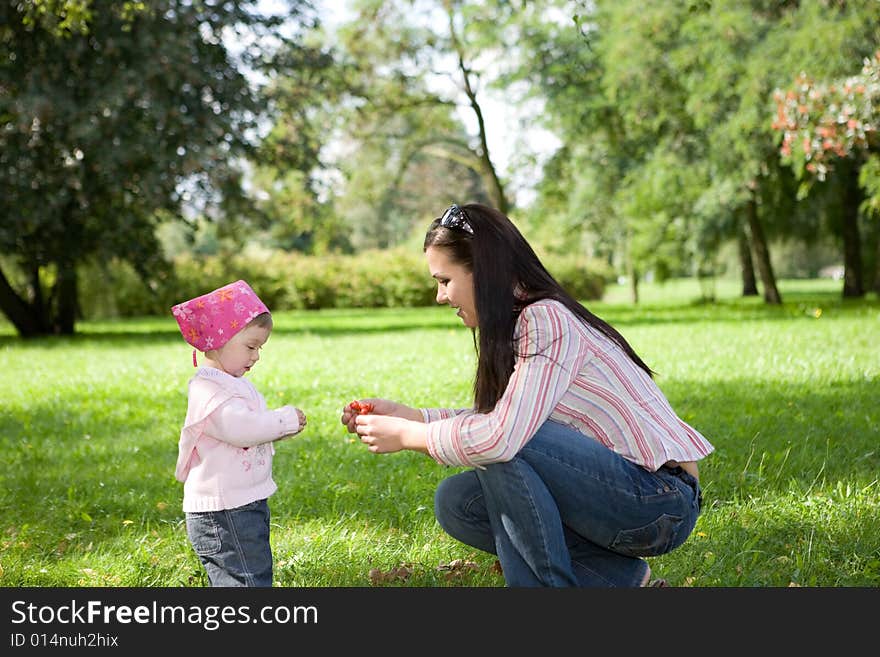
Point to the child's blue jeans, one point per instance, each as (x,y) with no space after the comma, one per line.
(568,511)
(233,544)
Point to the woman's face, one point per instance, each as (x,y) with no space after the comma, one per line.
(455,284)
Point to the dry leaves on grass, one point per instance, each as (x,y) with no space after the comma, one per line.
(455,569)
(459,567)
(398,573)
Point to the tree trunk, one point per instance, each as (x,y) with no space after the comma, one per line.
(853,281)
(26,318)
(38,305)
(877,268)
(67,299)
(634,284)
(490,175)
(54,314)
(746,265)
(762,253)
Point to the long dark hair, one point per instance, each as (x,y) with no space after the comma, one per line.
(508,276)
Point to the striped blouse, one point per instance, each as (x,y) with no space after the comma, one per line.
(570,373)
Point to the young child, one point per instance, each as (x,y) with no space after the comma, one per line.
(225,450)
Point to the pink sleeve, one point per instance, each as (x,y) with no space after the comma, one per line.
(234,423)
(548,360)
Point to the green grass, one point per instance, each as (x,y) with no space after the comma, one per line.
(789,396)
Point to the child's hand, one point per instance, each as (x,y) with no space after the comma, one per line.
(301,420)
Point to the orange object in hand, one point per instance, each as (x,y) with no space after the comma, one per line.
(361,406)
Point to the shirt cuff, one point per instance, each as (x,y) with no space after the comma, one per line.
(288,421)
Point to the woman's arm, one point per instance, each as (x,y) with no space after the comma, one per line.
(550,353)
(384,434)
(550,360)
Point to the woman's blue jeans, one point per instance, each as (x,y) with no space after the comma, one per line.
(233,544)
(568,511)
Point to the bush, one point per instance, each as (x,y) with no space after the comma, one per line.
(582,277)
(292,281)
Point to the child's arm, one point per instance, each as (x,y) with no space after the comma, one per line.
(238,425)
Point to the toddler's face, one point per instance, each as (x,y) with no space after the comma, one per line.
(242,351)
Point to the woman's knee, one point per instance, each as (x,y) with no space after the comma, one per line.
(457,499)
(451,496)
(460,510)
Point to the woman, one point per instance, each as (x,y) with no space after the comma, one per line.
(581,467)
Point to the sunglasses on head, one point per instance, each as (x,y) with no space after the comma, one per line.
(454,217)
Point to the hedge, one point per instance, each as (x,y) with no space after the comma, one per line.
(288,281)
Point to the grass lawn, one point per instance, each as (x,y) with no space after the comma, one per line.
(789,396)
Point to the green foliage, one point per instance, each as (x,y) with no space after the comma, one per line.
(786,394)
(292,281)
(663,112)
(117,116)
(869,179)
(296,219)
(60,16)
(138,110)
(585,278)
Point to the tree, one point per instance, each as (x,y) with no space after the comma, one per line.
(869,179)
(614,97)
(715,57)
(735,55)
(108,124)
(397,137)
(828,126)
(687,84)
(289,182)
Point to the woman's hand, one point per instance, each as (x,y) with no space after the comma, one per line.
(376,406)
(384,434)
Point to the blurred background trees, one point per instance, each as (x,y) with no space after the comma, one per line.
(114,122)
(628,140)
